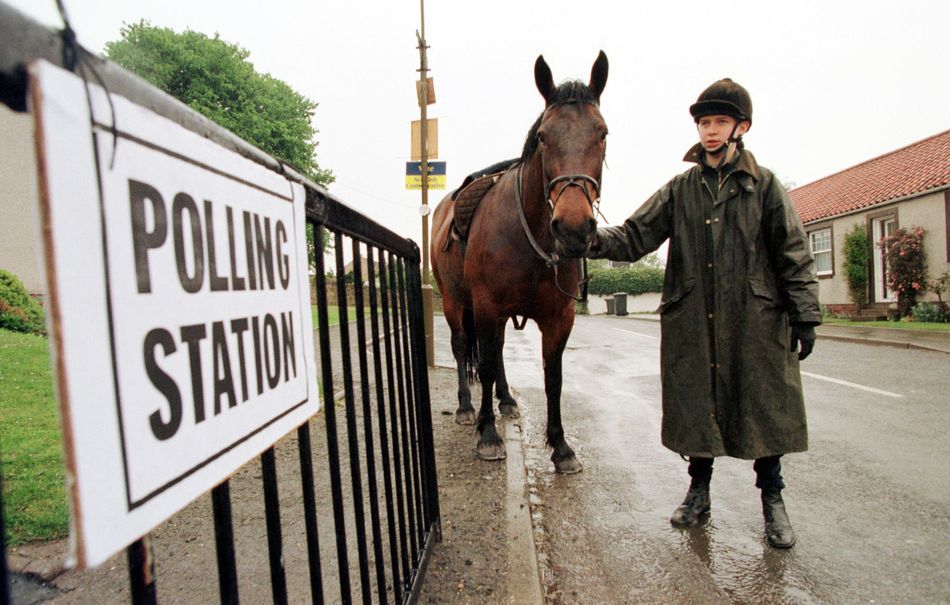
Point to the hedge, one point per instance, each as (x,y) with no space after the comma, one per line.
(856,264)
(18,310)
(633,280)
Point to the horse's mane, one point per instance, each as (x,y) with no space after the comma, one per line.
(571,91)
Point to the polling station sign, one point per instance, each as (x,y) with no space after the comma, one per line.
(179,305)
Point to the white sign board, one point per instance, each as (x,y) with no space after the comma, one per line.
(179,305)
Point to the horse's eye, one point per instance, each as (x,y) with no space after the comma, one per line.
(541,138)
(603,137)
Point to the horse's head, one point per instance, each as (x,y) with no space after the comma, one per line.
(571,138)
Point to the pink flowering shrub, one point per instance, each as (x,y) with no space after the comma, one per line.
(906,266)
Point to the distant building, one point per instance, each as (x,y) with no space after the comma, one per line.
(903,188)
(364,268)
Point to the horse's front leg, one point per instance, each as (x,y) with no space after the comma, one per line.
(506,403)
(490,445)
(553,340)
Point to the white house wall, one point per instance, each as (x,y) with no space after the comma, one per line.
(19,227)
(929,212)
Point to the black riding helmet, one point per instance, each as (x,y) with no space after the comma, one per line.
(723,97)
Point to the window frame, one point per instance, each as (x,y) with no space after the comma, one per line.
(946,215)
(830,251)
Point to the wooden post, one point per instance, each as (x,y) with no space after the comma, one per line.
(427,304)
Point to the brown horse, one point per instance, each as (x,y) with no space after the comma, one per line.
(520,256)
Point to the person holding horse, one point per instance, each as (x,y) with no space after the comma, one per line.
(738,312)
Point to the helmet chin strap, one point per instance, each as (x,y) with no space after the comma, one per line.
(724,148)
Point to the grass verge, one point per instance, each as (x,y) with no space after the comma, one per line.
(34,496)
(898,325)
(333,315)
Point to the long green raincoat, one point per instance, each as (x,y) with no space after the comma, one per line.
(738,274)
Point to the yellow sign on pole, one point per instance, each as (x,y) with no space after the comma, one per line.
(432,139)
(436,178)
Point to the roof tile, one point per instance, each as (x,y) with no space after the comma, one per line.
(916,168)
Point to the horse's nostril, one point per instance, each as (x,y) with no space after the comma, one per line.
(592,224)
(556,226)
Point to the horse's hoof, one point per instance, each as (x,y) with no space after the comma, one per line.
(568,466)
(465,416)
(509,409)
(491,451)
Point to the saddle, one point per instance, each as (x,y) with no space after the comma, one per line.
(467,197)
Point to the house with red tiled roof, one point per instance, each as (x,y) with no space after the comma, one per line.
(904,188)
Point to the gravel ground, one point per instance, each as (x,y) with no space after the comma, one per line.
(468,566)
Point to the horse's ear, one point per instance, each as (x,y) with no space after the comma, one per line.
(543,79)
(598,75)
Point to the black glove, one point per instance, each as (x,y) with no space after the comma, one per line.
(804,334)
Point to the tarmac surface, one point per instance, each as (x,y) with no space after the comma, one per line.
(869,515)
(497,518)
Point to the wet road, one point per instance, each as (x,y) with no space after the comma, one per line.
(870,500)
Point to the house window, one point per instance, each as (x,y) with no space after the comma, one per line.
(820,242)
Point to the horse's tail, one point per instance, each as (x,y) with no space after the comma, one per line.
(471,345)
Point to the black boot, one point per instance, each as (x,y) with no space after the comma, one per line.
(778,529)
(695,505)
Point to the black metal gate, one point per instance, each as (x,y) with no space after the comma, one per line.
(385,517)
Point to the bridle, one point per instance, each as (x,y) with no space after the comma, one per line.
(571,180)
(552,259)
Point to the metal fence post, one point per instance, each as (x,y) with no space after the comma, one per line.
(141,572)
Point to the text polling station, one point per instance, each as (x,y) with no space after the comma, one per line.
(179,304)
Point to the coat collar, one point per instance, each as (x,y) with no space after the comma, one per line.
(746,162)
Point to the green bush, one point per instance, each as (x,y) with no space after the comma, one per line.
(856,264)
(634,280)
(930,312)
(18,310)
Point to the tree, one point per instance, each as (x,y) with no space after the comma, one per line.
(215,78)
(856,265)
(906,266)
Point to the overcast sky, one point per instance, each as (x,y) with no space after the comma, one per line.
(833,83)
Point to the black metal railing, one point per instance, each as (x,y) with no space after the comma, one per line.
(366,538)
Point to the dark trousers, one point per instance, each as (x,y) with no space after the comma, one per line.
(768,472)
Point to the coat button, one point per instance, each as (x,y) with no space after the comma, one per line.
(708,221)
(710,316)
(732,190)
(715,220)
(709,265)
